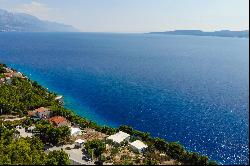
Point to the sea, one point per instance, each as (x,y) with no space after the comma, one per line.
(188,89)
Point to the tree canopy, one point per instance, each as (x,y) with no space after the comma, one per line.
(27,151)
(96,146)
(22,95)
(50,134)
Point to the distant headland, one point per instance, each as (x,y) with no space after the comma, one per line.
(222,33)
(21,22)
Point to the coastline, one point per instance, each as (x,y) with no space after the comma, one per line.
(69,102)
(95,124)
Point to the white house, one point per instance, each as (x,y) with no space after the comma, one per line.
(79,142)
(75,131)
(119,137)
(138,146)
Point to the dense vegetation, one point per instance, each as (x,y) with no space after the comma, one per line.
(50,134)
(26,151)
(96,147)
(2,70)
(23,95)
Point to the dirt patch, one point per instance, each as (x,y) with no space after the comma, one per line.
(91,134)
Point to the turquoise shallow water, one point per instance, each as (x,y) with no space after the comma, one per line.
(182,88)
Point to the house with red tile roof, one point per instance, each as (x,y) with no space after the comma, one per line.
(14,74)
(59,121)
(32,113)
(8,74)
(42,113)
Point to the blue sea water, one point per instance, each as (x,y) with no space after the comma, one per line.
(182,88)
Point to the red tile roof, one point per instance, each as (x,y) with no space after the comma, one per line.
(31,113)
(8,74)
(57,119)
(41,109)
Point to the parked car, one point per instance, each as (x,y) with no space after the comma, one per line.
(86,158)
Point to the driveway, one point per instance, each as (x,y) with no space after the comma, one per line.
(23,133)
(13,119)
(75,154)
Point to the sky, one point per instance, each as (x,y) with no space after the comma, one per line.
(138,15)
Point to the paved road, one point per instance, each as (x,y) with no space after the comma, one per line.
(13,119)
(75,155)
(23,133)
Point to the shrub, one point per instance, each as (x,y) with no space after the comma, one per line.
(95,146)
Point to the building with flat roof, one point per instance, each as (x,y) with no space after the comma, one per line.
(138,146)
(75,131)
(119,137)
(79,142)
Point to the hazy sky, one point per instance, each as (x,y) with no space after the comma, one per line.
(138,15)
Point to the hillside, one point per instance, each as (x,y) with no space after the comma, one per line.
(21,22)
(22,101)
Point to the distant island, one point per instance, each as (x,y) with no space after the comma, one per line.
(21,22)
(222,33)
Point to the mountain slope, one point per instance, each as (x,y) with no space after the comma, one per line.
(20,22)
